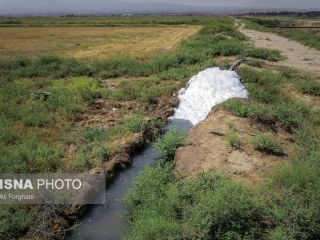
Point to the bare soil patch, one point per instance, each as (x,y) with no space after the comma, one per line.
(208,149)
(297,55)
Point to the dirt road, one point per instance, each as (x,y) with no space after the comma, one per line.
(297,55)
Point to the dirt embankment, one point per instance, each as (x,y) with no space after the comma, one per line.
(208,149)
(296,55)
(109,113)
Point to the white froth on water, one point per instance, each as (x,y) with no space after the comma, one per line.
(205,90)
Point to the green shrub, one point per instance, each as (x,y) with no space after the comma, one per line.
(291,116)
(168,144)
(260,112)
(104,152)
(80,163)
(90,155)
(295,206)
(280,233)
(152,215)
(216,207)
(149,95)
(269,94)
(266,142)
(228,48)
(36,114)
(31,156)
(254,63)
(237,108)
(127,91)
(64,101)
(97,151)
(263,53)
(93,134)
(115,131)
(135,123)
(309,87)
(7,136)
(232,136)
(86,87)
(70,97)
(233,139)
(143,90)
(206,207)
(47,60)
(181,73)
(14,221)
(261,77)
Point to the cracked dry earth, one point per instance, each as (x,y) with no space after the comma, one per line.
(208,149)
(296,55)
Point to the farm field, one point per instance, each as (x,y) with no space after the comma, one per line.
(92,42)
(114,81)
(107,21)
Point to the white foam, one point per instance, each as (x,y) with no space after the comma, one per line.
(205,90)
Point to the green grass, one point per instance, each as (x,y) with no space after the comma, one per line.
(30,156)
(269,104)
(211,206)
(14,221)
(267,143)
(75,84)
(164,206)
(309,87)
(294,207)
(232,136)
(233,47)
(34,133)
(291,199)
(95,148)
(168,144)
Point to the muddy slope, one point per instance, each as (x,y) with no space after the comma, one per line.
(208,149)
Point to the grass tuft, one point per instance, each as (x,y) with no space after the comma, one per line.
(266,142)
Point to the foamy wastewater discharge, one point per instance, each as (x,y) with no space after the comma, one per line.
(205,90)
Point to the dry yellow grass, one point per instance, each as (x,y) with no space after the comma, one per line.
(92,42)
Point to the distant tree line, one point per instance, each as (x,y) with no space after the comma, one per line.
(285,13)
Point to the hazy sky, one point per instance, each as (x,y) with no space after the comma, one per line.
(8,7)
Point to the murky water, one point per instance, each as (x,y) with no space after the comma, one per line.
(105,222)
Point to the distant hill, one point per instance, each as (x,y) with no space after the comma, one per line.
(101,7)
(95,7)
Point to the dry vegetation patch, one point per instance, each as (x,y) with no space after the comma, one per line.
(92,42)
